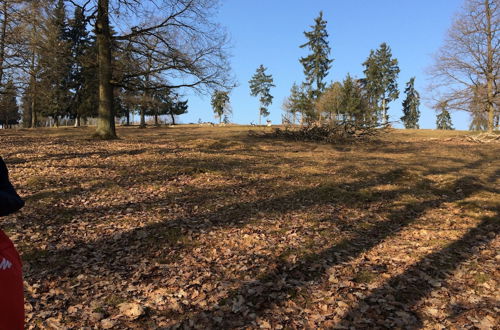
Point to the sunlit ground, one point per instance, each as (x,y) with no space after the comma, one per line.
(208,227)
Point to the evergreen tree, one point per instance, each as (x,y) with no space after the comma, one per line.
(83,82)
(443,119)
(317,63)
(260,85)
(56,65)
(9,110)
(168,103)
(381,73)
(353,104)
(178,108)
(220,104)
(410,106)
(298,103)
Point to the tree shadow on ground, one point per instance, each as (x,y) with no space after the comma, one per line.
(289,278)
(419,281)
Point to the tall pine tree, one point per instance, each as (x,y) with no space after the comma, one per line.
(381,73)
(317,64)
(260,85)
(83,75)
(410,106)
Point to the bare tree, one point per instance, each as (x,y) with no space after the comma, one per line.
(178,37)
(10,27)
(467,67)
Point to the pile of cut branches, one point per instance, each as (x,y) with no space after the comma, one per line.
(338,132)
(484,138)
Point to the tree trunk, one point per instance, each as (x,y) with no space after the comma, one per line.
(128,118)
(490,77)
(106,119)
(33,72)
(143,118)
(78,122)
(384,111)
(34,118)
(156,119)
(2,40)
(173,118)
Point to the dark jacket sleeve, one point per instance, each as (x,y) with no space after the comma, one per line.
(10,201)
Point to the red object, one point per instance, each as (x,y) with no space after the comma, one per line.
(11,286)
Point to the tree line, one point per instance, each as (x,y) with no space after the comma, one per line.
(107,59)
(465,75)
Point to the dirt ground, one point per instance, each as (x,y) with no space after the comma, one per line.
(208,227)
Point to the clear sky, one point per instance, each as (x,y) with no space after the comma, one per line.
(269,32)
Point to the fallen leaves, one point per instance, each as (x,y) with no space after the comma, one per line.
(212,229)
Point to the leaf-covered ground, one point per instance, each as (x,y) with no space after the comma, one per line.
(194,227)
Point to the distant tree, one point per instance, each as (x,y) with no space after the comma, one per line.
(381,73)
(468,64)
(317,63)
(83,74)
(330,102)
(10,32)
(260,86)
(353,103)
(55,62)
(298,103)
(220,104)
(170,105)
(34,19)
(289,105)
(9,109)
(411,105)
(443,118)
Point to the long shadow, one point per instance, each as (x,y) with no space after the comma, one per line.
(288,278)
(419,281)
(232,215)
(56,264)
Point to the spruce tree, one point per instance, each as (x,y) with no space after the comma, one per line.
(410,106)
(353,104)
(220,104)
(443,118)
(56,64)
(82,82)
(260,85)
(381,73)
(317,64)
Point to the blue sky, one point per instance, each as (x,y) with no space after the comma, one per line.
(270,32)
